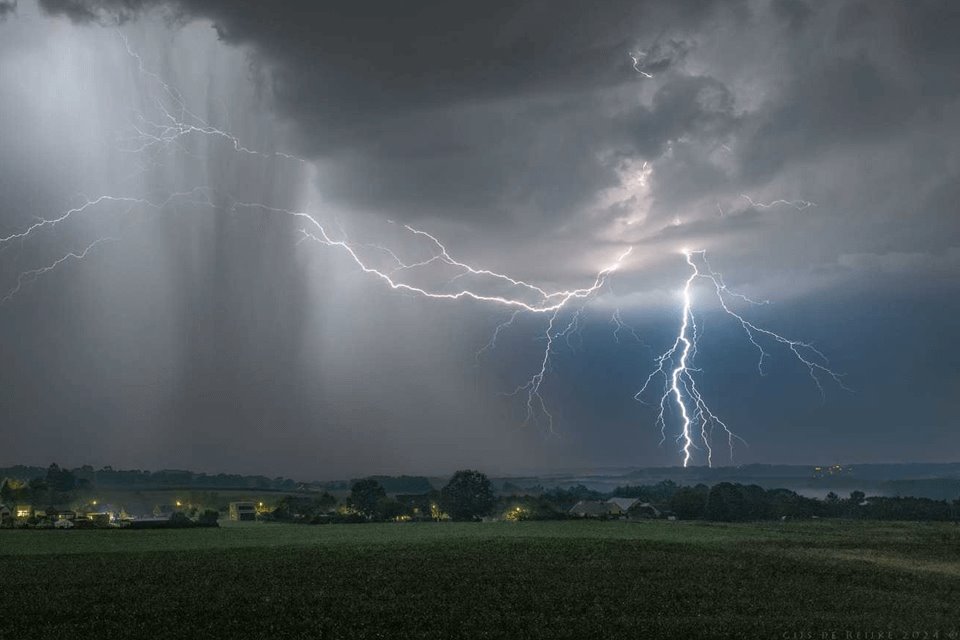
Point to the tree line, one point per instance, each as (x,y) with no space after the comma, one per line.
(110,478)
(469,495)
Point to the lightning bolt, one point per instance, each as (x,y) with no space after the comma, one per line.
(638,59)
(551,304)
(492,343)
(621,326)
(676,368)
(799,205)
(173,127)
(31,275)
(43,223)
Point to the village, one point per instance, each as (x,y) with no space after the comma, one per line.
(64,499)
(94,515)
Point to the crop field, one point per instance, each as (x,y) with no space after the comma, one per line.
(487,580)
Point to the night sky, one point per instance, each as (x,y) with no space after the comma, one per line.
(535,139)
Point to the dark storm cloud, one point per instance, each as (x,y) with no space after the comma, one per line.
(7,7)
(686,106)
(795,13)
(459,109)
(517,111)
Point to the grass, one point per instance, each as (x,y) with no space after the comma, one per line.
(493,580)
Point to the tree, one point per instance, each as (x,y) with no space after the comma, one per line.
(467,496)
(304,508)
(61,480)
(38,488)
(725,503)
(689,503)
(390,509)
(7,491)
(365,495)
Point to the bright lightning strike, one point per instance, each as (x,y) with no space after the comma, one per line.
(550,303)
(676,365)
(638,60)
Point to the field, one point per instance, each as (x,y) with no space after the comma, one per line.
(573,580)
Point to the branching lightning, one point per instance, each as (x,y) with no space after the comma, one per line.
(173,127)
(32,274)
(620,327)
(676,367)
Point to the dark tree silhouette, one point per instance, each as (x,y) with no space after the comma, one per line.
(365,495)
(467,496)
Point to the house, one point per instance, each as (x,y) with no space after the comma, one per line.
(243,511)
(23,511)
(99,518)
(63,524)
(593,509)
(623,504)
(643,510)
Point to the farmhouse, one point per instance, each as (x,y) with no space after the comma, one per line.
(622,504)
(642,510)
(99,518)
(243,511)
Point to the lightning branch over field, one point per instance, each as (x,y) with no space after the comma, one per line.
(676,366)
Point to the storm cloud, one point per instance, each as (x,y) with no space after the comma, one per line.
(539,138)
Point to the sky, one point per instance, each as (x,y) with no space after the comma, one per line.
(808,148)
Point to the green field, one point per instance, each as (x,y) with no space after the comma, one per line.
(491,580)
